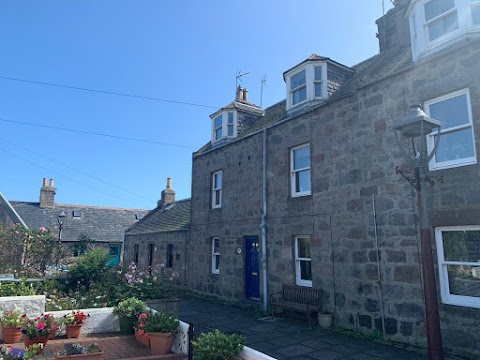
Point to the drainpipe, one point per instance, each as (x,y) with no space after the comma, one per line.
(263,225)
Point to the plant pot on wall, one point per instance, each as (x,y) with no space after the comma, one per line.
(73,330)
(126,325)
(11,334)
(325,320)
(161,343)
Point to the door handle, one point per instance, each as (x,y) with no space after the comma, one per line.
(254,273)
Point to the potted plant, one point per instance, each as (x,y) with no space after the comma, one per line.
(161,328)
(140,333)
(77,351)
(324,319)
(11,329)
(37,330)
(73,323)
(128,312)
(12,353)
(217,345)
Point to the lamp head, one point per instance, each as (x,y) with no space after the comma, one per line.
(416,123)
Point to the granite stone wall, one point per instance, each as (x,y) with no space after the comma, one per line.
(358,263)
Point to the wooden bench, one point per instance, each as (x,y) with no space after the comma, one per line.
(297,298)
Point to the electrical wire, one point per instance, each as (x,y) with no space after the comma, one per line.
(97,134)
(71,168)
(64,176)
(108,92)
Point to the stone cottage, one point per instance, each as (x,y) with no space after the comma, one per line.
(306,192)
(158,241)
(104,226)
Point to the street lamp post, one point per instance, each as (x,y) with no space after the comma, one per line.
(417,124)
(60,217)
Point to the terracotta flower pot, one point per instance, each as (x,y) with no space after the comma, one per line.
(143,339)
(39,340)
(161,343)
(73,330)
(11,334)
(90,356)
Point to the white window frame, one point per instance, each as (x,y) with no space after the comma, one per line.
(298,88)
(298,260)
(294,172)
(216,190)
(420,41)
(433,165)
(215,255)
(225,125)
(310,81)
(446,296)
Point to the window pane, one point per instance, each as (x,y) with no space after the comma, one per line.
(305,270)
(215,246)
(218,134)
(476,15)
(452,112)
(302,181)
(455,145)
(443,26)
(218,121)
(217,262)
(297,80)
(299,95)
(217,197)
(318,89)
(303,247)
(230,118)
(301,158)
(461,246)
(218,180)
(464,280)
(318,73)
(230,130)
(435,8)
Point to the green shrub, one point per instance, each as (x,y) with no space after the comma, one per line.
(16,289)
(162,322)
(88,269)
(217,345)
(132,307)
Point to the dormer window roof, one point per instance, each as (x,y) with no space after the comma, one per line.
(229,121)
(435,24)
(313,80)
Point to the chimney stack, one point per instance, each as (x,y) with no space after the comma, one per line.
(168,195)
(47,195)
(239,94)
(245,95)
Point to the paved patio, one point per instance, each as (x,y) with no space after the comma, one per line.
(287,338)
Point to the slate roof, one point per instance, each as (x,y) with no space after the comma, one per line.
(367,72)
(172,217)
(102,224)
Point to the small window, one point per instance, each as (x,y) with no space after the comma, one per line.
(300,169)
(440,18)
(218,128)
(457,146)
(459,265)
(298,87)
(215,256)
(169,256)
(230,125)
(318,81)
(139,216)
(217,189)
(303,261)
(76,213)
(136,250)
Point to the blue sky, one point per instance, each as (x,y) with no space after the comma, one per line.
(185,51)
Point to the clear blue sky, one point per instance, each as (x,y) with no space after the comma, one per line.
(187,51)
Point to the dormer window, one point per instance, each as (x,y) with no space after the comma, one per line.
(305,83)
(224,125)
(436,23)
(298,87)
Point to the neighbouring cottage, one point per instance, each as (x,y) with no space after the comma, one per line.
(158,241)
(104,226)
(306,191)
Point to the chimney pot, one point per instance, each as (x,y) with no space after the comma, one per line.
(168,195)
(245,95)
(239,95)
(44,182)
(51,183)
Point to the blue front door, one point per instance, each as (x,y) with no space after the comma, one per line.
(252,273)
(114,255)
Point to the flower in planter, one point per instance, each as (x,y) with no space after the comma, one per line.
(10,318)
(77,348)
(75,318)
(13,353)
(41,326)
(160,321)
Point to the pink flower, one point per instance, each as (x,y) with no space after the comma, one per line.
(142,316)
(140,332)
(41,326)
(43,229)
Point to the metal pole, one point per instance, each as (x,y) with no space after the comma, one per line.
(434,336)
